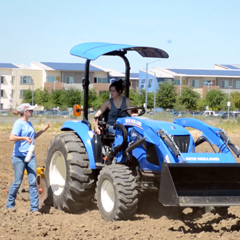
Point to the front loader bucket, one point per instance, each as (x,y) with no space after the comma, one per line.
(200,185)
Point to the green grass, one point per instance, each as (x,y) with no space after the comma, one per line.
(231,125)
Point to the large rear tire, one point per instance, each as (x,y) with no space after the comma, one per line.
(69,179)
(117,194)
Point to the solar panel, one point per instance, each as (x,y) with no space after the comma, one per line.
(69,66)
(7,65)
(230,66)
(208,72)
(134,75)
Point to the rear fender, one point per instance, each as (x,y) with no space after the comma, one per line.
(85,134)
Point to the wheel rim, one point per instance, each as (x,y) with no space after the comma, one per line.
(57,173)
(107,196)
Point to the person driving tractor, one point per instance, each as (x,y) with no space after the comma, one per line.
(114,105)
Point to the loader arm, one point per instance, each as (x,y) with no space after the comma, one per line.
(211,133)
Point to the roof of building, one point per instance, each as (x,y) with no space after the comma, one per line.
(69,66)
(230,66)
(160,72)
(134,75)
(7,65)
(113,73)
(204,72)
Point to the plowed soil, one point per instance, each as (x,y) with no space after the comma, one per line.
(152,221)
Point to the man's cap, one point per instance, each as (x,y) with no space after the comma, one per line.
(24,107)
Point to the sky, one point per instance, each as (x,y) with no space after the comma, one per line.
(195,34)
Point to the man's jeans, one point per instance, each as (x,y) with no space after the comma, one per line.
(19,166)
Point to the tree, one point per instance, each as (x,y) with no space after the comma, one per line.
(92,97)
(201,104)
(71,97)
(166,96)
(178,105)
(57,98)
(141,97)
(42,98)
(133,98)
(98,102)
(189,98)
(235,97)
(27,96)
(216,99)
(150,98)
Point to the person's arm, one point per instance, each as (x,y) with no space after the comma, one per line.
(42,131)
(17,132)
(128,104)
(98,114)
(14,137)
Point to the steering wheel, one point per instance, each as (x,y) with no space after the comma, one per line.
(131,108)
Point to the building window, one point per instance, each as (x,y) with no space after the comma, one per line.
(51,79)
(207,82)
(12,93)
(224,84)
(25,80)
(169,80)
(22,93)
(13,79)
(195,83)
(101,80)
(149,83)
(142,83)
(1,93)
(176,82)
(2,79)
(237,84)
(70,80)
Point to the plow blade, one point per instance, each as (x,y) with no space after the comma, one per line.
(200,185)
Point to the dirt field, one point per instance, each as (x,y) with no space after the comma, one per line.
(152,221)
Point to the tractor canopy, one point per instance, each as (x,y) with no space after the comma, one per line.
(93,50)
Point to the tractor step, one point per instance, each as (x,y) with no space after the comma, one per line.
(100,165)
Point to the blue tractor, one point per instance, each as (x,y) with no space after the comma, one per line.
(142,154)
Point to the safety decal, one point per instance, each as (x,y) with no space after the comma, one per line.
(133,122)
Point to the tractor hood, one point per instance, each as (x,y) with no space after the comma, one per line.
(93,50)
(146,124)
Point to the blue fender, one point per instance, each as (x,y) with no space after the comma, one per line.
(86,135)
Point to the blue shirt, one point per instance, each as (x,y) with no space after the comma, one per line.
(22,129)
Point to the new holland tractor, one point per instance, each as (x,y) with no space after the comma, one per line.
(143,153)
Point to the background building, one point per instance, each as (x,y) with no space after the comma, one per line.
(17,78)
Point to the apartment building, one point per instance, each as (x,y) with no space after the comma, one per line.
(201,80)
(17,78)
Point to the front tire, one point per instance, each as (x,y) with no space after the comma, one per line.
(117,194)
(69,179)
